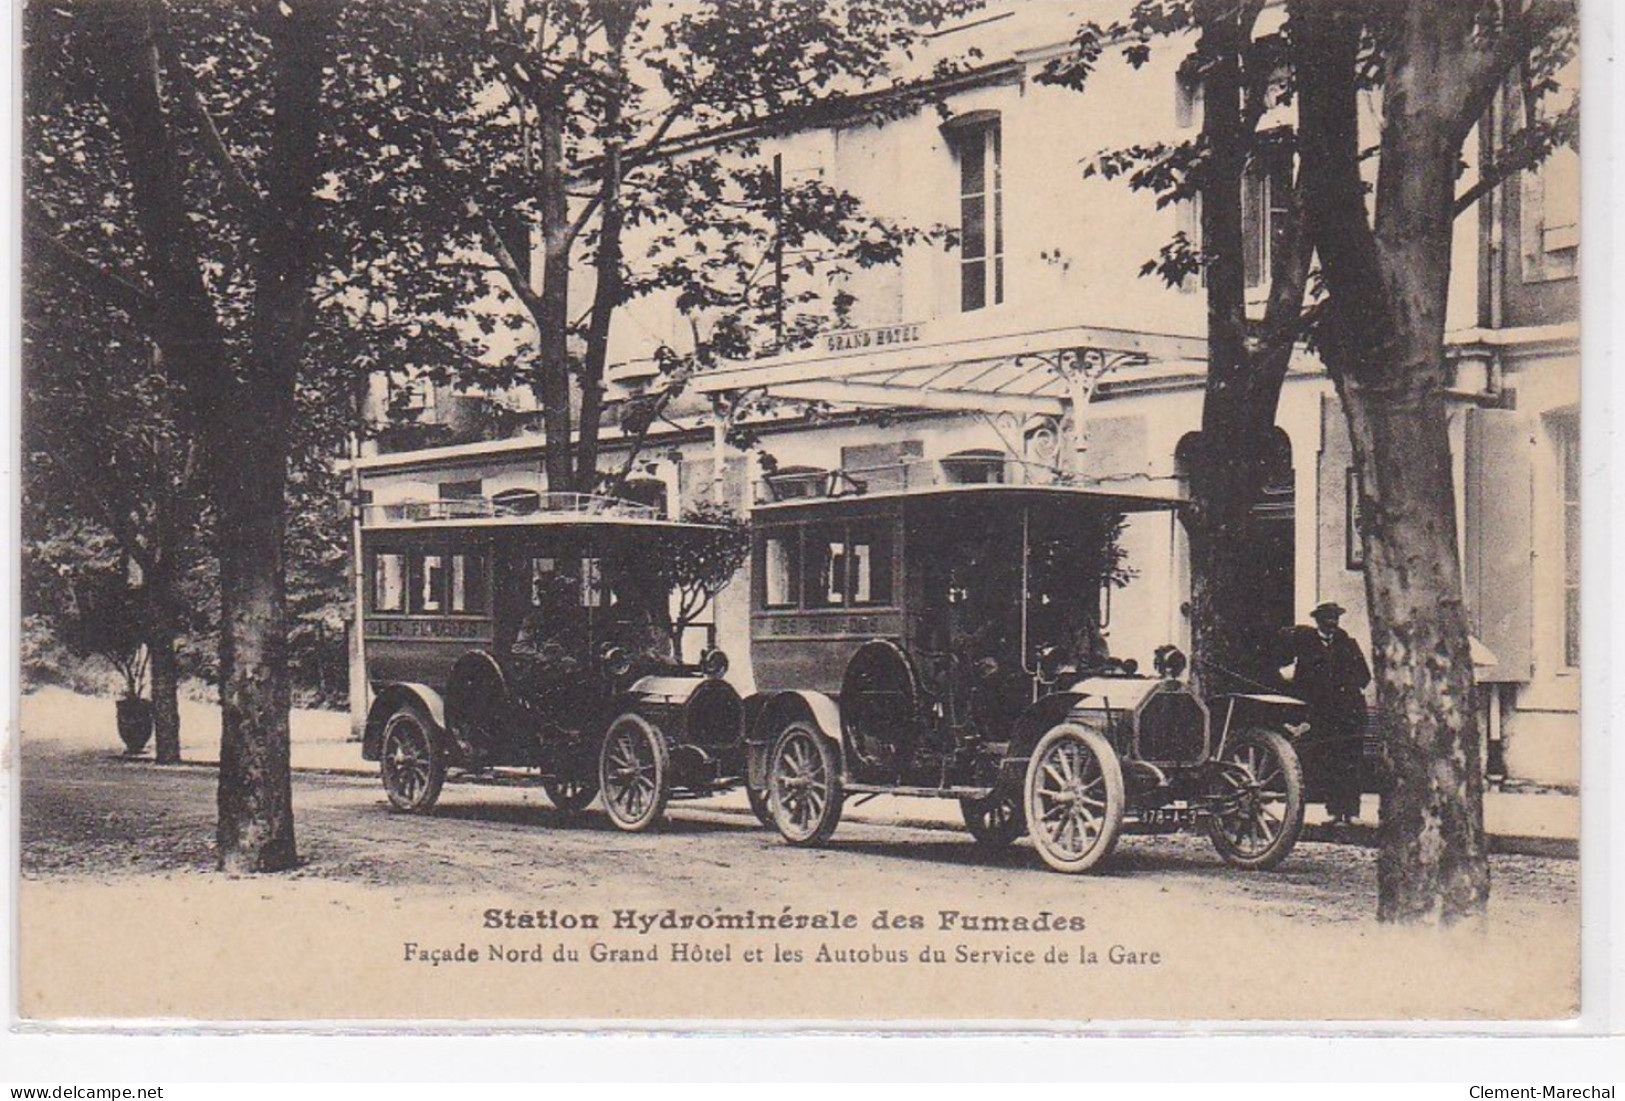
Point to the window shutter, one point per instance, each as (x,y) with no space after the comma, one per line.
(1499,540)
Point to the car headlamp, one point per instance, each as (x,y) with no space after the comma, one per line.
(714,664)
(617,662)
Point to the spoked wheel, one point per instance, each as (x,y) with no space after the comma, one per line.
(760,805)
(804,786)
(571,796)
(633,772)
(996,821)
(1259,805)
(1074,798)
(410,763)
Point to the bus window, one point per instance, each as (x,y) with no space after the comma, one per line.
(781,570)
(870,547)
(592,583)
(543,573)
(431,589)
(825,567)
(389,583)
(468,584)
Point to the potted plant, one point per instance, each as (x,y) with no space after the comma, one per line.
(107,622)
(134,710)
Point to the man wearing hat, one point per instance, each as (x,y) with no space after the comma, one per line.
(1329,673)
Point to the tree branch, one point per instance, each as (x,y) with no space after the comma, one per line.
(242,191)
(133,299)
(1533,145)
(1487,68)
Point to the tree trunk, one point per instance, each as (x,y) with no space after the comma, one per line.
(240,407)
(606,297)
(255,831)
(608,289)
(1228,464)
(255,799)
(1433,863)
(553,324)
(166,716)
(1383,343)
(1227,637)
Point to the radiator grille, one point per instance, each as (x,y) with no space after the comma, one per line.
(1171,728)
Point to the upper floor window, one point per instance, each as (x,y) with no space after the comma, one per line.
(1265,188)
(977,145)
(412,397)
(1264,215)
(1549,194)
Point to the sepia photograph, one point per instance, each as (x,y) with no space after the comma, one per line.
(785,514)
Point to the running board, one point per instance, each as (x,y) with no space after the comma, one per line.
(920,793)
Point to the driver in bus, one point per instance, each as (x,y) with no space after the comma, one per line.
(546,649)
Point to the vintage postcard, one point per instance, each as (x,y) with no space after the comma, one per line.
(818,513)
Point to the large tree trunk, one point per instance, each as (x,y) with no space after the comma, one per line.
(1384,344)
(1230,460)
(1218,519)
(166,716)
(255,800)
(1433,863)
(255,831)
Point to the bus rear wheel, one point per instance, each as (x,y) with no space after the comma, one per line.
(411,763)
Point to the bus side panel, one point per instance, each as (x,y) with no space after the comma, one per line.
(810,650)
(423,660)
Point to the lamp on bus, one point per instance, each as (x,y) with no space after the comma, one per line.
(1169,662)
(1048,666)
(714,663)
(616,661)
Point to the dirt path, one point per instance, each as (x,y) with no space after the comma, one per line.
(134,836)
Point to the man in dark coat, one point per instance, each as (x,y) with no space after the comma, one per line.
(1329,674)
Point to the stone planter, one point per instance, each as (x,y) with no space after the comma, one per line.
(134,725)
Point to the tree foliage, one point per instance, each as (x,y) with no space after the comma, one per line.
(176,171)
(696,564)
(547,163)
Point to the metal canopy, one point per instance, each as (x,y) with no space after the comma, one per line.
(924,367)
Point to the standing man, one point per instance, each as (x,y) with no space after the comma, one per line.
(1329,673)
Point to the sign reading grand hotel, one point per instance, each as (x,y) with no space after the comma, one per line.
(853,340)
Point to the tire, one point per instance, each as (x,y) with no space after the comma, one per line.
(411,762)
(1260,799)
(571,796)
(634,773)
(804,785)
(760,805)
(1074,798)
(996,822)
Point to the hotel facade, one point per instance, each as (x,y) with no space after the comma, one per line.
(1036,350)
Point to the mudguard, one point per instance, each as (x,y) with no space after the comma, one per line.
(1036,721)
(388,698)
(770,712)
